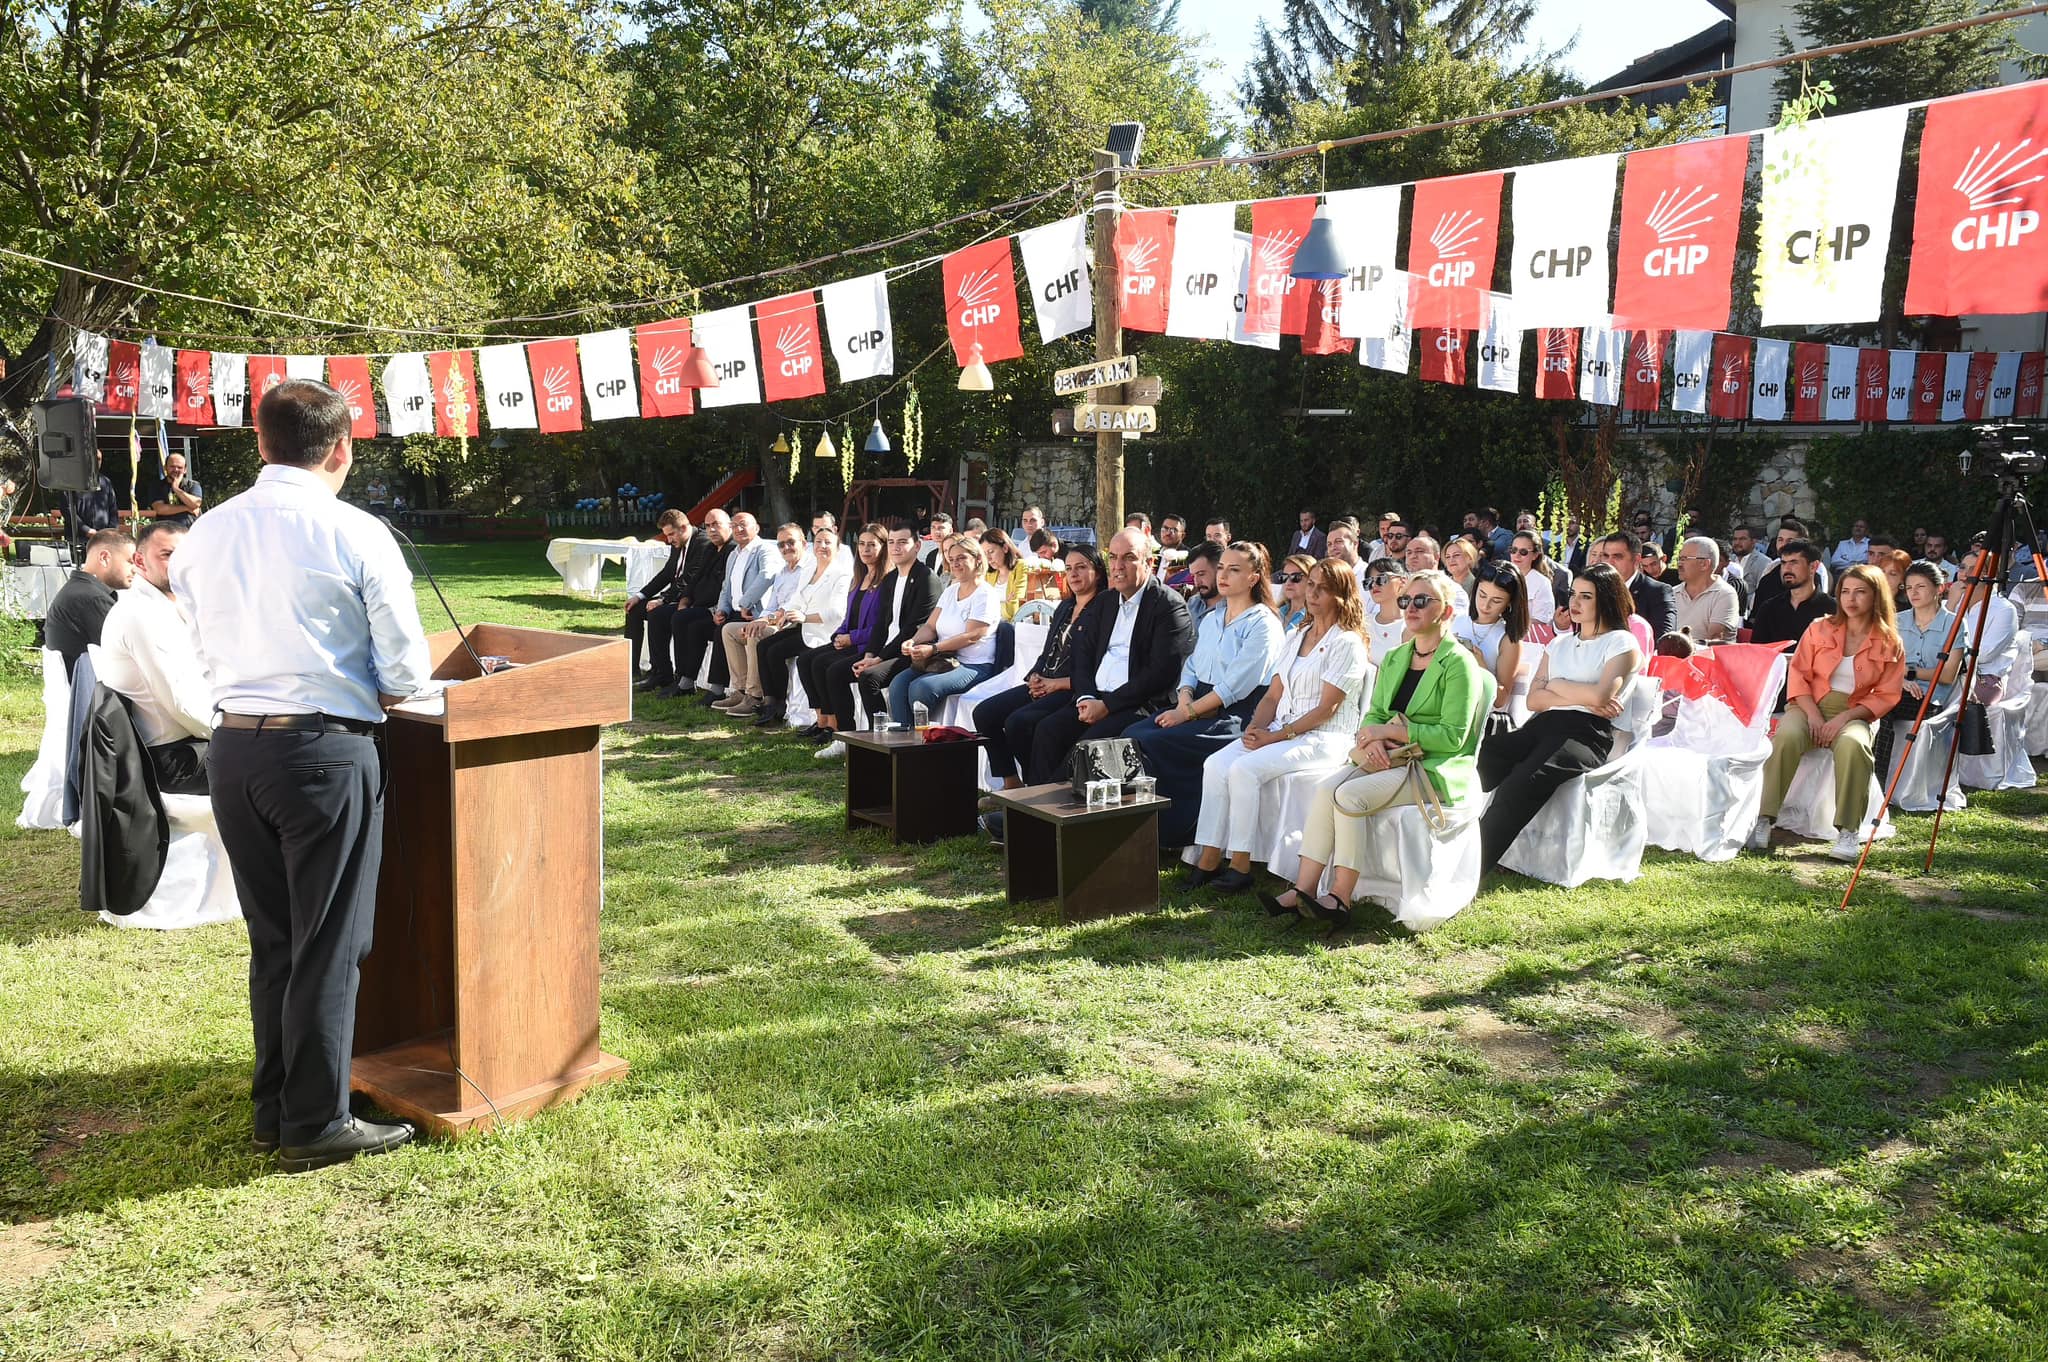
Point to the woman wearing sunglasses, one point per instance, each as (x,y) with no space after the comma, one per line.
(1293,580)
(1386,626)
(1573,703)
(1543,582)
(1426,693)
(1495,629)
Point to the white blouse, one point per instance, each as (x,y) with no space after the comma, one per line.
(1485,637)
(1583,660)
(824,597)
(1542,602)
(1381,639)
(984,604)
(1339,660)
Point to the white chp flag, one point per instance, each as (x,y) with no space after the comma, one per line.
(1838,398)
(1826,210)
(508,387)
(1898,393)
(1056,264)
(857,324)
(2005,382)
(1205,272)
(1563,213)
(607,363)
(1241,254)
(1368,224)
(1955,381)
(409,394)
(306,366)
(89,365)
(1500,346)
(1602,353)
(1391,351)
(230,388)
(1692,353)
(727,336)
(154,397)
(1767,384)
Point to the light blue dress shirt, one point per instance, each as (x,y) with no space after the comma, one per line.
(1237,657)
(302,603)
(1924,645)
(749,572)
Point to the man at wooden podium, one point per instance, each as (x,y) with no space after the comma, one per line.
(305,616)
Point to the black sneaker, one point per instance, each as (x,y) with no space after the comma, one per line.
(992,824)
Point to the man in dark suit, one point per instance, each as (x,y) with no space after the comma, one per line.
(908,594)
(79,609)
(1125,667)
(691,595)
(1308,539)
(674,529)
(1623,552)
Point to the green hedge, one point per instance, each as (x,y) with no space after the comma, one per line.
(1899,480)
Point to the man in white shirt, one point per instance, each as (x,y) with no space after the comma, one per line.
(743,694)
(1029,523)
(1749,557)
(1937,554)
(1853,551)
(306,621)
(1704,607)
(1996,650)
(147,653)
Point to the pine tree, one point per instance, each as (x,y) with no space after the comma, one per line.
(1926,68)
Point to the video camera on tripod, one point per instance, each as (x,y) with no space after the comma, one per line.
(2006,450)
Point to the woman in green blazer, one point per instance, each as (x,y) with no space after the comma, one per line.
(1429,691)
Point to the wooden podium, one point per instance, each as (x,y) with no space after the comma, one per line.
(480,989)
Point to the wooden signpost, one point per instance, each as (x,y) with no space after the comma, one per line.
(1128,420)
(1104,373)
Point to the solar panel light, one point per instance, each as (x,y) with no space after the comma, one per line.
(1125,140)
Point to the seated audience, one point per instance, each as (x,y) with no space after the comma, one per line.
(1125,667)
(79,609)
(1495,629)
(1542,583)
(1847,670)
(1009,718)
(1292,603)
(1855,550)
(1893,564)
(1030,525)
(1007,572)
(1217,532)
(1237,646)
(1200,591)
(739,637)
(1655,566)
(658,596)
(1937,554)
(1303,722)
(1622,551)
(692,596)
(1394,541)
(1573,701)
(1140,521)
(749,568)
(1460,558)
(1386,623)
(908,595)
(800,625)
(1426,694)
(955,649)
(932,553)
(148,654)
(857,614)
(1923,632)
(1422,555)
(1495,538)
(1997,650)
(1704,606)
(1782,616)
(1749,558)
(1341,543)
(1378,548)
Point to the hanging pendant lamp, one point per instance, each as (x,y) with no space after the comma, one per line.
(1321,255)
(878,440)
(697,372)
(825,448)
(975,377)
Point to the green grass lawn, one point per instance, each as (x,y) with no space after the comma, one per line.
(874,1112)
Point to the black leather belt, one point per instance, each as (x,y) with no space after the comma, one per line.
(296,723)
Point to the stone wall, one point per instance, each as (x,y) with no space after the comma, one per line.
(1058,477)
(1780,488)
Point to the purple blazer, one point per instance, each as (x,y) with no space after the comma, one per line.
(861,609)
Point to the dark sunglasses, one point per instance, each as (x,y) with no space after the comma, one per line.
(1375,583)
(1292,577)
(1497,574)
(1415,602)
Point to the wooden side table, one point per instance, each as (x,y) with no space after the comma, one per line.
(1093,862)
(918,791)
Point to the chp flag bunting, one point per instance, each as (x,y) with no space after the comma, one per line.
(1808,380)
(981,302)
(1557,369)
(1681,209)
(1204,272)
(455,405)
(1443,355)
(1144,254)
(1769,380)
(856,322)
(1929,368)
(1728,377)
(1240,328)
(1602,356)
(1977,384)
(1452,236)
(155,397)
(792,359)
(1901,381)
(230,388)
(1873,383)
(1500,347)
(1843,372)
(1321,335)
(1979,243)
(560,382)
(2004,381)
(2027,389)
(409,394)
(89,366)
(1056,268)
(1642,387)
(727,336)
(1278,228)
(195,387)
(1828,189)
(507,387)
(124,377)
(1955,380)
(350,376)
(1390,351)
(663,347)
(1368,223)
(265,373)
(607,360)
(312,367)
(1563,211)
(1691,362)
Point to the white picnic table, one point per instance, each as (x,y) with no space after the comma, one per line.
(580,562)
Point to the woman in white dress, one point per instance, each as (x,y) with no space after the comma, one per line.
(1495,627)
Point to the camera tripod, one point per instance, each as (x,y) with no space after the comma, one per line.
(2013,512)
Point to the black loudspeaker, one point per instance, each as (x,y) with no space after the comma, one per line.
(66,455)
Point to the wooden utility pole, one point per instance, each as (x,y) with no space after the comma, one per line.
(1109,343)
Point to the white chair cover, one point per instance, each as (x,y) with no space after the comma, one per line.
(1283,813)
(1701,802)
(643,560)
(198,887)
(2009,766)
(2037,720)
(1809,807)
(44,783)
(1918,788)
(1593,828)
(1421,876)
(797,710)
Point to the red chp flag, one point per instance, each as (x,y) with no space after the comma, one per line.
(1978,238)
(1808,380)
(1557,375)
(981,302)
(1681,207)
(1279,226)
(350,376)
(1444,354)
(124,377)
(1454,230)
(1977,391)
(1728,378)
(1642,384)
(265,373)
(1319,335)
(453,373)
(557,384)
(2026,398)
(1144,261)
(194,390)
(662,346)
(1929,369)
(792,355)
(1873,381)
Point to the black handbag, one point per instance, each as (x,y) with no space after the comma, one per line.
(1115,759)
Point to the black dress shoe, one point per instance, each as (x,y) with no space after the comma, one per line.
(816,733)
(1194,877)
(1327,909)
(671,690)
(1274,908)
(1232,881)
(993,825)
(650,683)
(264,1141)
(710,699)
(355,1137)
